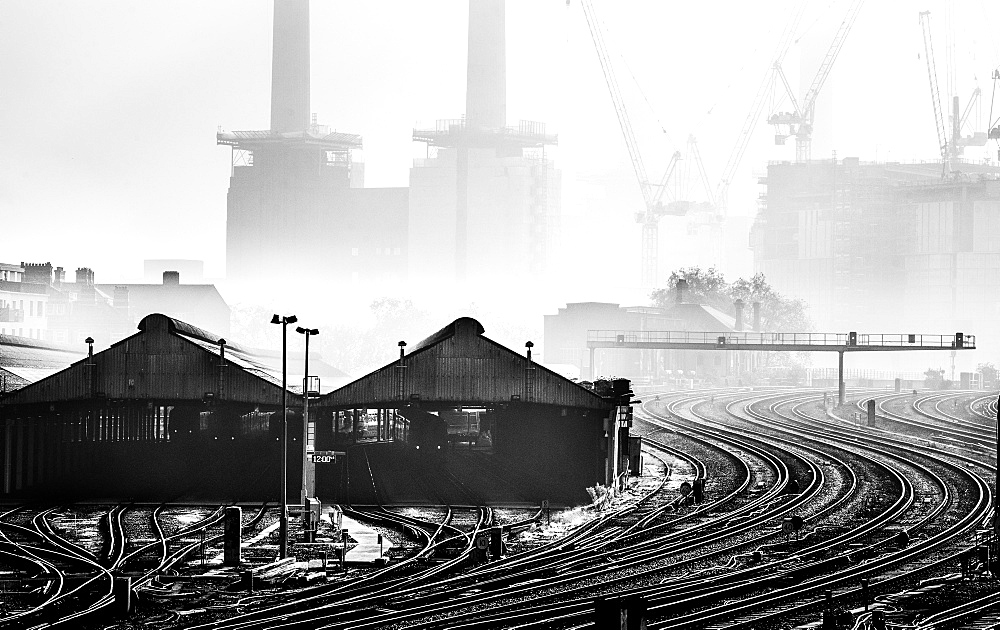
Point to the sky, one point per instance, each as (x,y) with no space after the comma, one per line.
(109,109)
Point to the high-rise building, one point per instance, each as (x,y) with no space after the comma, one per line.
(297,209)
(484,204)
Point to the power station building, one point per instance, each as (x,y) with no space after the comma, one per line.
(296,197)
(483,205)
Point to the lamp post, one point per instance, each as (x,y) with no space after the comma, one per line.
(283,522)
(308,332)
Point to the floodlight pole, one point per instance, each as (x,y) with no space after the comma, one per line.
(305,429)
(283,526)
(283,518)
(308,332)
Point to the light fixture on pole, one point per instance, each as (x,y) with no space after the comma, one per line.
(283,522)
(308,332)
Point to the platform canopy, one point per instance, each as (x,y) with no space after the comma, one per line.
(459,366)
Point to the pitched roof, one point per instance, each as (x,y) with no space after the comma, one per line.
(702,317)
(458,365)
(160,366)
(26,361)
(189,301)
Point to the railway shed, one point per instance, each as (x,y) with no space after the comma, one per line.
(540,435)
(172,411)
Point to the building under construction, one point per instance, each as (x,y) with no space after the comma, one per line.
(484,205)
(883,244)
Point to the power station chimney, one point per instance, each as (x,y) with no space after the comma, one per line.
(290,66)
(486,86)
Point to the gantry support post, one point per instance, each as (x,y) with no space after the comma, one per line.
(593,372)
(840,377)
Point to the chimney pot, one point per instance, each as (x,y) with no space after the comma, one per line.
(85,276)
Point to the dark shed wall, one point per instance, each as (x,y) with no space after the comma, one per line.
(136,421)
(141,450)
(567,449)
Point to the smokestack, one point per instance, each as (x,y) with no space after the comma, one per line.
(739,314)
(756,316)
(682,286)
(486,87)
(290,66)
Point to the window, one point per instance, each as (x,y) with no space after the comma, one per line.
(354,251)
(396,252)
(378,251)
(41,308)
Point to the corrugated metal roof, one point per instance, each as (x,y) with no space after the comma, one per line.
(458,365)
(238,357)
(448,331)
(31,360)
(158,363)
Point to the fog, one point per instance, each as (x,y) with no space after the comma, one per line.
(109,111)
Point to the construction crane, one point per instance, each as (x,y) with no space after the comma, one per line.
(925,27)
(694,158)
(756,110)
(653,195)
(799,121)
(952,148)
(994,131)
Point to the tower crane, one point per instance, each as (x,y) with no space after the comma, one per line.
(694,156)
(653,195)
(799,121)
(953,148)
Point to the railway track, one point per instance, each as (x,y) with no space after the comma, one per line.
(866,504)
